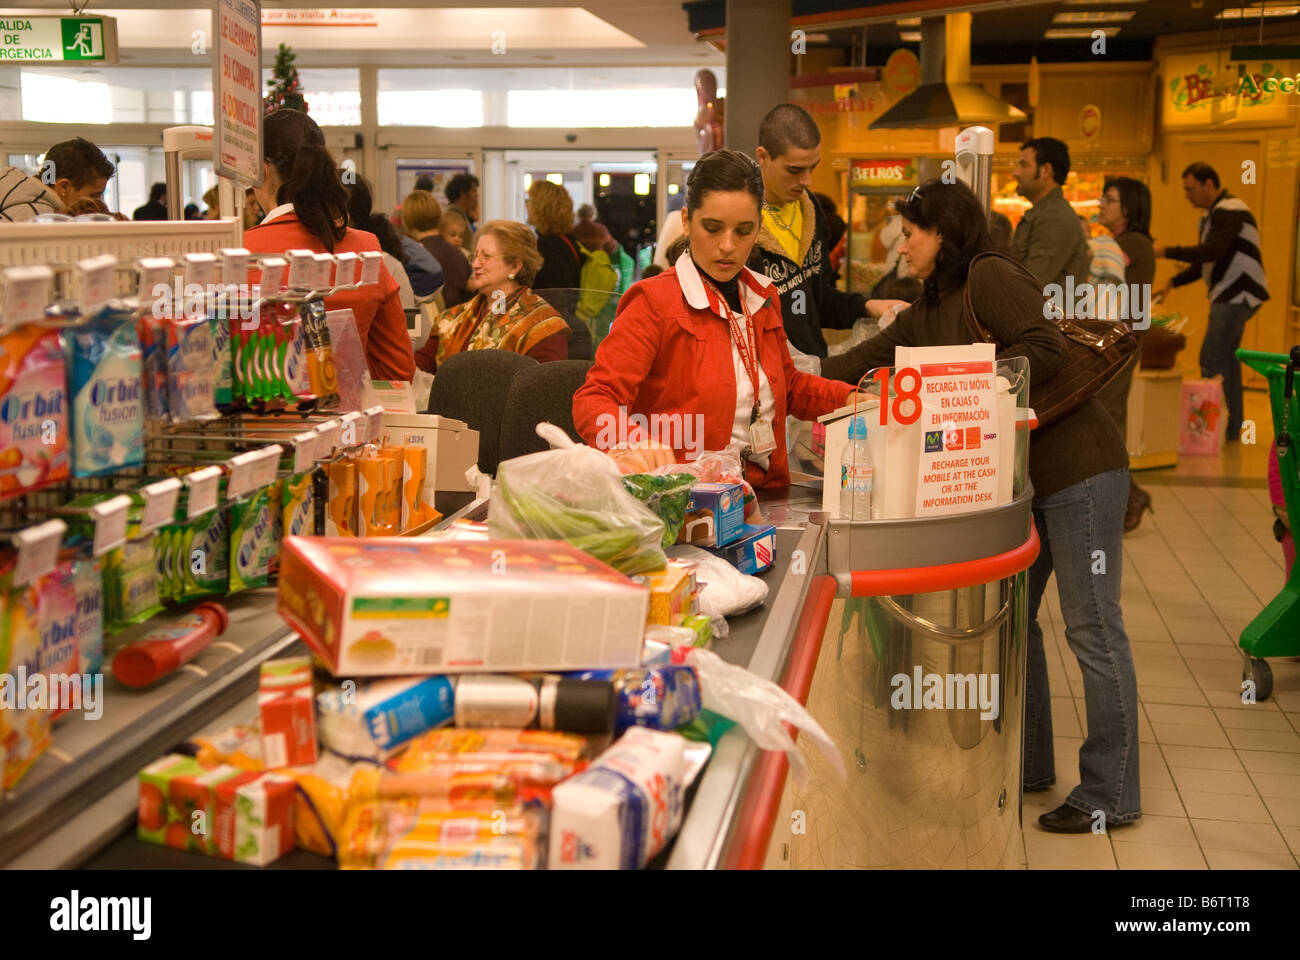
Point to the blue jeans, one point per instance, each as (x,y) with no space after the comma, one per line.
(1219,355)
(1080,529)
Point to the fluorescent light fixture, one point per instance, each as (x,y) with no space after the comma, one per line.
(672,189)
(1254,12)
(1095,16)
(641,184)
(1078,33)
(528,182)
(910,36)
(908,22)
(556,178)
(604,179)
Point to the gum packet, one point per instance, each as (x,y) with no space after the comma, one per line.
(250,542)
(189,369)
(107,401)
(33,399)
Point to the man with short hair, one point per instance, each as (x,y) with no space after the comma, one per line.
(1048,240)
(793,248)
(462,192)
(156,208)
(72,170)
(424,182)
(593,235)
(1228,259)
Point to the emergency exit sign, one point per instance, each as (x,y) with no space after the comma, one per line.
(55,39)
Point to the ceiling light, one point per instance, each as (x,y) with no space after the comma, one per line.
(910,36)
(672,189)
(1095,16)
(604,179)
(528,182)
(1254,12)
(556,178)
(641,184)
(1077,33)
(908,22)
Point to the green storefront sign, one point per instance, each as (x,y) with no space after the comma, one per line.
(55,39)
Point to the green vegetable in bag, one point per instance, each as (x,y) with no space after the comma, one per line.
(666,496)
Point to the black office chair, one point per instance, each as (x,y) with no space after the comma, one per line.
(542,393)
(472,386)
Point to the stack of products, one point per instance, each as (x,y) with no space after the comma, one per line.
(380,492)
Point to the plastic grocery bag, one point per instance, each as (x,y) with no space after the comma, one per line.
(718,466)
(762,708)
(724,590)
(666,495)
(572,492)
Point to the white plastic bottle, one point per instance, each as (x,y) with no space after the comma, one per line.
(856,474)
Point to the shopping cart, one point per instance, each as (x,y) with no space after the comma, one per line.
(1276,631)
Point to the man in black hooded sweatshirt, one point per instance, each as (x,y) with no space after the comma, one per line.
(793,248)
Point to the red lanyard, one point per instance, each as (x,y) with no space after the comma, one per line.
(746,341)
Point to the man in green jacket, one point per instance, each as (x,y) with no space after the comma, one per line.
(1048,240)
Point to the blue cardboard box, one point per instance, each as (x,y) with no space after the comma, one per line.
(754,551)
(715,515)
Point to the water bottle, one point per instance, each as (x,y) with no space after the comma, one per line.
(856,474)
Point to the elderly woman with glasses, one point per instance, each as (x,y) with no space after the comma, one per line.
(504,313)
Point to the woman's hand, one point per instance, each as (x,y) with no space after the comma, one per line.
(878,308)
(642,459)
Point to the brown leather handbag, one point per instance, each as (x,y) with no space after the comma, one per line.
(1097,350)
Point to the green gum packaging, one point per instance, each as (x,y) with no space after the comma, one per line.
(203,555)
(251,545)
(131,583)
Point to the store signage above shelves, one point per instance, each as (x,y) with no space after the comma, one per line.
(320,18)
(237,85)
(54,39)
(894,172)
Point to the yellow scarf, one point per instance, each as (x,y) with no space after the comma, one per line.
(788,236)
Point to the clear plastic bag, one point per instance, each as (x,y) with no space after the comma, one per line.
(572,492)
(762,708)
(724,590)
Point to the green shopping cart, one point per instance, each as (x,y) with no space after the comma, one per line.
(1276,631)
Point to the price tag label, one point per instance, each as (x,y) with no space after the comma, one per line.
(234,266)
(273,269)
(242,479)
(159,503)
(374,423)
(350,427)
(203,486)
(346,275)
(300,267)
(38,550)
(304,451)
(96,282)
(155,273)
(27,293)
(200,268)
(110,524)
(266,465)
(327,439)
(322,271)
(371,261)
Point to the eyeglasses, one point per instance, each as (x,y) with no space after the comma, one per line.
(1106,199)
(487,257)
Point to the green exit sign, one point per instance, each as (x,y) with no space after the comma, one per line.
(57,39)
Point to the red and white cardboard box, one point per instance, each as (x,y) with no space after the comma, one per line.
(287,706)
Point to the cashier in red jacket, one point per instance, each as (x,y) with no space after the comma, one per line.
(308,210)
(703,338)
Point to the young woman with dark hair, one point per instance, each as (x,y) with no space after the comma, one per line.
(703,343)
(307,208)
(1079,470)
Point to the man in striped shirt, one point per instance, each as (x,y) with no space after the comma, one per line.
(1228,259)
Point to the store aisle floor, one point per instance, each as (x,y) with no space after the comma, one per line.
(1220,779)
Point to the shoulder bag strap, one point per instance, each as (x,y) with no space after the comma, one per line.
(977,330)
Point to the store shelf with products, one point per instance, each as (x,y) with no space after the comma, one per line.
(1083,188)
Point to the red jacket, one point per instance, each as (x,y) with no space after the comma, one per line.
(669,352)
(381,321)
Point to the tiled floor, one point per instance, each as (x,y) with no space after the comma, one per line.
(1220,779)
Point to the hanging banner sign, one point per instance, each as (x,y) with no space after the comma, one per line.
(237,90)
(894,172)
(54,39)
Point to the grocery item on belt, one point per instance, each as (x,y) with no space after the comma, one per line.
(670,593)
(754,551)
(702,628)
(107,404)
(288,712)
(372,721)
(562,746)
(378,836)
(715,515)
(189,369)
(33,396)
(663,697)
(383,606)
(238,746)
(666,496)
(245,816)
(621,811)
(548,702)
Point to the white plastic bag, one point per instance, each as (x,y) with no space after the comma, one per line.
(724,590)
(762,708)
(864,328)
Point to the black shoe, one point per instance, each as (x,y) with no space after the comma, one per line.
(1066,819)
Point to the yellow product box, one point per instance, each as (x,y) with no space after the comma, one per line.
(670,594)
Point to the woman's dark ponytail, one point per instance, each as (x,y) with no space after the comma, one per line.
(296,147)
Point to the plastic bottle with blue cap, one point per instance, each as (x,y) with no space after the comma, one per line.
(856,473)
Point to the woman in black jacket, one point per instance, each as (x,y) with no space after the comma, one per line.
(550,212)
(1079,469)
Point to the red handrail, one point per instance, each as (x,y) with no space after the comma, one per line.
(761,802)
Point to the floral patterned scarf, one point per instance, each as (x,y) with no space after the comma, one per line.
(518,323)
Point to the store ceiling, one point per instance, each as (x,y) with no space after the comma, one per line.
(1010,31)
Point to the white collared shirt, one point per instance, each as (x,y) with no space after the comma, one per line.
(688,277)
(275,212)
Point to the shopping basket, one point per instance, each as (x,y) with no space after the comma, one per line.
(1276,631)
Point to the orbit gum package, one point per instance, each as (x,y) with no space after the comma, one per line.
(33,410)
(107,403)
(251,543)
(189,369)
